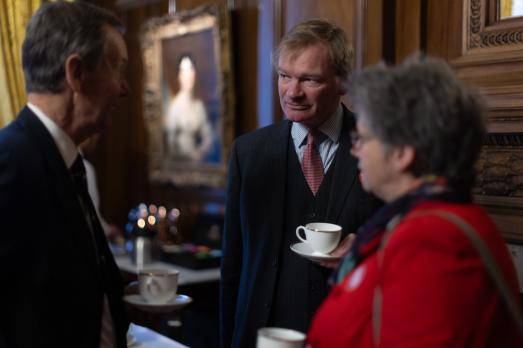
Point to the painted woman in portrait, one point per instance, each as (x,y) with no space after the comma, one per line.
(188,131)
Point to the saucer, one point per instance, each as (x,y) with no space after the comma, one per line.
(131,340)
(176,303)
(304,250)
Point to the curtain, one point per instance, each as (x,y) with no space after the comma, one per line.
(14,15)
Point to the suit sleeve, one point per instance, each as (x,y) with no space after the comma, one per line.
(8,245)
(232,252)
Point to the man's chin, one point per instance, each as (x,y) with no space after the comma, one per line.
(297,116)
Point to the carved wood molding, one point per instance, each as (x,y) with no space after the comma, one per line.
(504,139)
(507,213)
(482,35)
(490,55)
(492,58)
(500,167)
(475,23)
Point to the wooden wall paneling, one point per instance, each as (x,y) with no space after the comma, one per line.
(185,5)
(444,28)
(340,12)
(489,54)
(245,32)
(368,32)
(278,13)
(407,28)
(492,58)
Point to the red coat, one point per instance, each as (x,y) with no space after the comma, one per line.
(435,289)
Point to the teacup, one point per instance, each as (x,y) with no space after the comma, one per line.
(275,337)
(158,286)
(322,237)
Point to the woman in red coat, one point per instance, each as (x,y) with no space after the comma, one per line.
(414,277)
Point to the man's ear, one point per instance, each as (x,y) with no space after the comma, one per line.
(343,86)
(74,72)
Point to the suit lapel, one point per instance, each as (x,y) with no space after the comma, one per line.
(277,151)
(61,185)
(345,170)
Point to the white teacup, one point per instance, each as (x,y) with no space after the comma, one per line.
(158,286)
(275,337)
(322,237)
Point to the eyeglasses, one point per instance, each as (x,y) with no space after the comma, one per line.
(357,139)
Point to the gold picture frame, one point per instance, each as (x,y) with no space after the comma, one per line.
(188,96)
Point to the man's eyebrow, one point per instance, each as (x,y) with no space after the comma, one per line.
(311,76)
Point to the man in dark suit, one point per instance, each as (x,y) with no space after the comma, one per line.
(60,284)
(271,192)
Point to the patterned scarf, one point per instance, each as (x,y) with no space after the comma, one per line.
(368,237)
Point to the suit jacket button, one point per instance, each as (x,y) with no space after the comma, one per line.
(267,305)
(312,215)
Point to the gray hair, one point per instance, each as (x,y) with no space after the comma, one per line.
(58,30)
(423,104)
(315,31)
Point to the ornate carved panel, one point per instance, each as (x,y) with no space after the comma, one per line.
(492,57)
(489,54)
(486,30)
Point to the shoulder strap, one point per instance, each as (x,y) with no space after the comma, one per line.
(483,251)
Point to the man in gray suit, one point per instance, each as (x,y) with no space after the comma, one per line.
(270,191)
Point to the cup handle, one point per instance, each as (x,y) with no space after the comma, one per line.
(298,234)
(153,287)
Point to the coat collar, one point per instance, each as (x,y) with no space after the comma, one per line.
(60,184)
(345,169)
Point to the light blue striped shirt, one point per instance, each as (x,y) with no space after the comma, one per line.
(331,128)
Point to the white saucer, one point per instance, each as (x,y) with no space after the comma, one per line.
(304,250)
(176,303)
(131,340)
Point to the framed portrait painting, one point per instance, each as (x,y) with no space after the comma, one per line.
(188,96)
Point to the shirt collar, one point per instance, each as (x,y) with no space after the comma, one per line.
(330,128)
(65,144)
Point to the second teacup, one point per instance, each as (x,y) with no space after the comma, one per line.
(276,337)
(158,286)
(322,237)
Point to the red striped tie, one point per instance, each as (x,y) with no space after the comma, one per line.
(312,165)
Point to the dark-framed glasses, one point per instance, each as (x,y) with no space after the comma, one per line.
(358,139)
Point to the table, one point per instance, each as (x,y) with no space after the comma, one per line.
(143,337)
(187,276)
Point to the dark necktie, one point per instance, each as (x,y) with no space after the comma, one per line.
(80,182)
(99,243)
(312,165)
